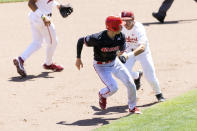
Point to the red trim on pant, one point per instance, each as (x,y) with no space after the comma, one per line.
(49,34)
(102,81)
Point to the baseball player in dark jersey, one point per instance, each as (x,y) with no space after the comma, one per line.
(107,45)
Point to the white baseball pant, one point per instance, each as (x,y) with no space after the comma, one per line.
(148,69)
(41,33)
(119,70)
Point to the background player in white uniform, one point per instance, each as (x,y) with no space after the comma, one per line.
(42,30)
(138,50)
(106,44)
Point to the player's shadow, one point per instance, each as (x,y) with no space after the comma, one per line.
(147,105)
(110,110)
(101,120)
(89,122)
(169,22)
(30,77)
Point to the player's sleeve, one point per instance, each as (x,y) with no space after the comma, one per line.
(80,47)
(90,40)
(123,46)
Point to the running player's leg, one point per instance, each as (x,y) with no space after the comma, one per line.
(165,7)
(50,37)
(105,74)
(36,43)
(121,72)
(34,46)
(135,74)
(129,65)
(149,72)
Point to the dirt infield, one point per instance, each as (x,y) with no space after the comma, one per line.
(68,101)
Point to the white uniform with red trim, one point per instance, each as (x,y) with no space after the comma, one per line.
(134,38)
(41,33)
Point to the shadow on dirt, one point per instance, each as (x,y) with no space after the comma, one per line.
(147,105)
(89,122)
(169,22)
(110,110)
(30,77)
(101,120)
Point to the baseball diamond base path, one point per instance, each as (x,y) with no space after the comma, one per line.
(68,101)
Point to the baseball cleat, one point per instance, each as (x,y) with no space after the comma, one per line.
(160,97)
(158,17)
(102,102)
(138,80)
(18,62)
(135,110)
(53,67)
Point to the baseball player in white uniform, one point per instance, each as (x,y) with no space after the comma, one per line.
(42,30)
(137,49)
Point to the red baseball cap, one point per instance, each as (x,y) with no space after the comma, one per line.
(127,15)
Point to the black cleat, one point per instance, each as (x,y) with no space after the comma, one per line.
(138,80)
(158,17)
(160,97)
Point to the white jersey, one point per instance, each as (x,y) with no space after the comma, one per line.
(45,6)
(135,37)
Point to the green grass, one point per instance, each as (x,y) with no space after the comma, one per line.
(8,1)
(179,114)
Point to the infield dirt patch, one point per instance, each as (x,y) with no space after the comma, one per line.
(68,101)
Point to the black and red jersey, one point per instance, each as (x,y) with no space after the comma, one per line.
(105,48)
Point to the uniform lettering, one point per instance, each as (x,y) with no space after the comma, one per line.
(110,49)
(131,40)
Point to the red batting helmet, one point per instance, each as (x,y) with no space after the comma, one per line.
(113,23)
(127,15)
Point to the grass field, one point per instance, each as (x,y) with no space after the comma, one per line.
(179,114)
(7,1)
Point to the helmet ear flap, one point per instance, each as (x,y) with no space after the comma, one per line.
(113,23)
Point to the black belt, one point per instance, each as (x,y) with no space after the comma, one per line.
(104,62)
(49,15)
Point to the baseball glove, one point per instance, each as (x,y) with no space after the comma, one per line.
(122,59)
(65,10)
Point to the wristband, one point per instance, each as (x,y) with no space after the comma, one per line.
(130,55)
(43,17)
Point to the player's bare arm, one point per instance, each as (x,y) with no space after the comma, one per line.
(32,5)
(139,50)
(34,8)
(136,52)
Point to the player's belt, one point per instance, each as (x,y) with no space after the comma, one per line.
(103,62)
(49,15)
